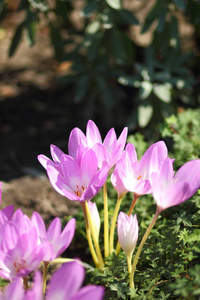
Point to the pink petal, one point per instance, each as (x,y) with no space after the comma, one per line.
(66,281)
(45,161)
(64,240)
(54,230)
(76,138)
(38,223)
(88,167)
(190,173)
(15,290)
(92,134)
(89,292)
(59,183)
(110,140)
(56,153)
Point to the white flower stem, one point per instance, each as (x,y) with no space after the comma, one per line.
(141,246)
(106,229)
(113,224)
(95,237)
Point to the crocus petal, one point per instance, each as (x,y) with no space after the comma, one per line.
(89,292)
(54,230)
(88,167)
(76,138)
(64,240)
(101,154)
(122,138)
(8,211)
(190,173)
(66,281)
(109,140)
(44,160)
(127,228)
(118,183)
(38,223)
(56,153)
(36,292)
(153,157)
(59,183)
(15,290)
(71,171)
(92,134)
(11,233)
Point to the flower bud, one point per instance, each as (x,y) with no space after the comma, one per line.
(94,217)
(127,228)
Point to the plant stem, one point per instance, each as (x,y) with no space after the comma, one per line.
(25,282)
(45,268)
(92,251)
(135,197)
(114,220)
(106,235)
(128,258)
(95,237)
(141,246)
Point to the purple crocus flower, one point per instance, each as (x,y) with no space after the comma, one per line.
(58,241)
(64,285)
(169,189)
(110,150)
(19,253)
(133,175)
(78,178)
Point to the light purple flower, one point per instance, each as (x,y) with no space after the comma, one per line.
(19,254)
(64,285)
(58,241)
(127,229)
(133,175)
(169,189)
(110,150)
(78,178)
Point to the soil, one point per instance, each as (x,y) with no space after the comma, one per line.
(35,111)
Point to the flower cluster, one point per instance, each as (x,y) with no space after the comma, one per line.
(25,244)
(79,176)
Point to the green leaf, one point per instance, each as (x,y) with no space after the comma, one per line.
(161,20)
(128,17)
(16,39)
(152,16)
(145,89)
(144,115)
(163,92)
(90,8)
(180,3)
(174,31)
(31,27)
(115,4)
(118,45)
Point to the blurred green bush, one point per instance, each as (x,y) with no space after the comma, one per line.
(143,81)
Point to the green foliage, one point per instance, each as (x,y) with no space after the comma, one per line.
(107,64)
(184,129)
